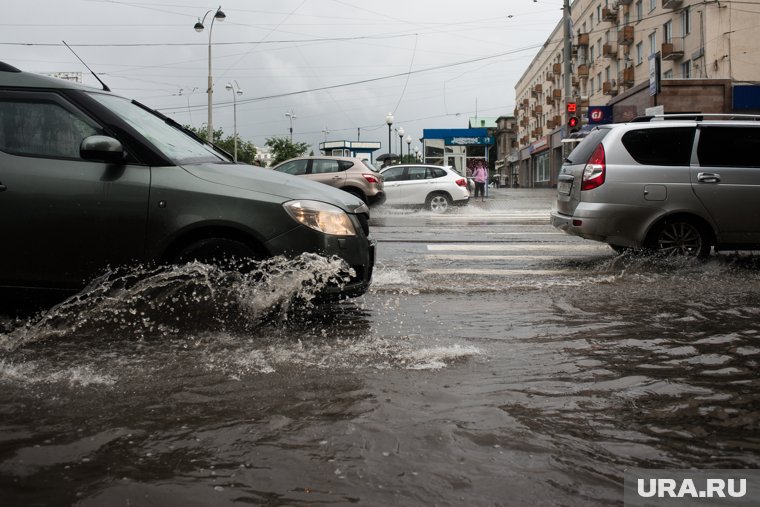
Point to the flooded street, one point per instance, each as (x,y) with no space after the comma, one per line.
(494,361)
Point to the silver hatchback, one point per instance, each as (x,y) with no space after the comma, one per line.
(673,184)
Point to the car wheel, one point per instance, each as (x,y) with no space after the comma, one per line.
(680,237)
(222,252)
(438,203)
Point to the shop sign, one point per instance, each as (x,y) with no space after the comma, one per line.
(468,141)
(539,145)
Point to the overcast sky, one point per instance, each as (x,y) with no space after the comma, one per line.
(339,65)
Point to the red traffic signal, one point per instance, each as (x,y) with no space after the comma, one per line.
(572,107)
(573,123)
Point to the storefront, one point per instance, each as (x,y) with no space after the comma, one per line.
(359,149)
(458,148)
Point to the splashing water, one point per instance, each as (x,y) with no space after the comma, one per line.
(167,300)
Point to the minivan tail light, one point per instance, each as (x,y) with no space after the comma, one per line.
(595,170)
(461,182)
(371,178)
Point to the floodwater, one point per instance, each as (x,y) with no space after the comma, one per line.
(493,362)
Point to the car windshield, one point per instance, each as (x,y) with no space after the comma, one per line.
(180,147)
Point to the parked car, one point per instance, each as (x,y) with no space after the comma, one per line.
(89,179)
(675,184)
(436,188)
(353,175)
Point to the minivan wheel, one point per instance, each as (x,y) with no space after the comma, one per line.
(680,237)
(438,203)
(223,252)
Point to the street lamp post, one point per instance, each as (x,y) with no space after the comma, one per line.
(292,116)
(235,89)
(199,28)
(401,142)
(416,154)
(408,146)
(389,121)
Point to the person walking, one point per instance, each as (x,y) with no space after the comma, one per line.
(480,175)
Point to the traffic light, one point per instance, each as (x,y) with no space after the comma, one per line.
(573,124)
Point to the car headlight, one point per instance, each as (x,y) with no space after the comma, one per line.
(320,216)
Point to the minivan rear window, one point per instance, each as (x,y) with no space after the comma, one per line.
(585,148)
(660,146)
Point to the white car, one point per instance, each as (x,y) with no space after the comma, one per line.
(436,188)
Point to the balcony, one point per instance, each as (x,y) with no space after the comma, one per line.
(672,50)
(610,50)
(583,71)
(557,94)
(557,69)
(610,14)
(582,40)
(625,35)
(526,103)
(671,4)
(549,124)
(610,87)
(557,120)
(627,77)
(625,2)
(536,89)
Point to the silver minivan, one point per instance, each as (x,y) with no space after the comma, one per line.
(675,184)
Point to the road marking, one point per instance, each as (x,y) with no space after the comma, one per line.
(457,257)
(466,270)
(465,247)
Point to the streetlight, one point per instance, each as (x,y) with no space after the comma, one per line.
(199,28)
(235,92)
(389,121)
(416,153)
(325,131)
(408,146)
(292,116)
(401,142)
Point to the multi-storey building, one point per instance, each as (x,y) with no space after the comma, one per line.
(628,56)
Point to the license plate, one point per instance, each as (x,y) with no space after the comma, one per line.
(564,187)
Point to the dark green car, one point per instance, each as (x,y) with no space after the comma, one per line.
(89,179)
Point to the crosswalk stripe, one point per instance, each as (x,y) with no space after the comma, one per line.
(504,247)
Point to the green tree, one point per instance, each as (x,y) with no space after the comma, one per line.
(283,149)
(246,151)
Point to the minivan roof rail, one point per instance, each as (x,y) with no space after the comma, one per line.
(697,117)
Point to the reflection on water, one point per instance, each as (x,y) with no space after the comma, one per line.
(435,388)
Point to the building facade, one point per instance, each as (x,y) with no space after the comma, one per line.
(681,56)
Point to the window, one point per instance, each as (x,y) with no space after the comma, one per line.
(42,128)
(668,74)
(436,172)
(652,5)
(660,146)
(639,10)
(729,146)
(599,82)
(599,13)
(416,173)
(394,174)
(591,54)
(686,70)
(667,32)
(652,43)
(591,84)
(325,166)
(639,53)
(685,21)
(295,167)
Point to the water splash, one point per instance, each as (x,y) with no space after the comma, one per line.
(166,301)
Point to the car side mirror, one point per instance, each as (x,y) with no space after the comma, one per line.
(102,148)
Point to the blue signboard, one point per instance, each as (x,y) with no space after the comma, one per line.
(598,115)
(468,140)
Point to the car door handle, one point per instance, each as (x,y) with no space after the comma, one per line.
(3,188)
(708,177)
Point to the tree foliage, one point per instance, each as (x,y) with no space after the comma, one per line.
(283,149)
(246,151)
